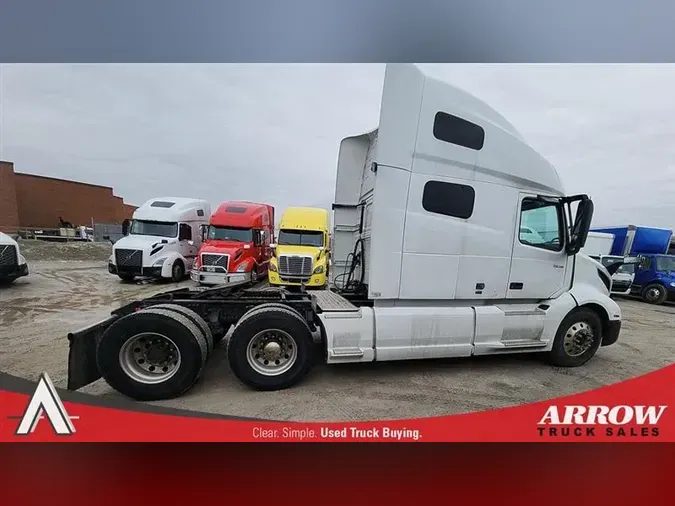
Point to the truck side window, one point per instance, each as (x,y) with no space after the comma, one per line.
(541,224)
(185,232)
(458,131)
(449,199)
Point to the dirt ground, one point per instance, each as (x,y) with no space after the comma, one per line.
(69,288)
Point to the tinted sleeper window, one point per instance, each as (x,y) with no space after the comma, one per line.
(449,128)
(449,199)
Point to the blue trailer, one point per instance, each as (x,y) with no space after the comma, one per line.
(632,240)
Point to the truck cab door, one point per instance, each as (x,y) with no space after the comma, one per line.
(539,261)
(185,236)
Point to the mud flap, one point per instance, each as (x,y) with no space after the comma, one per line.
(82,367)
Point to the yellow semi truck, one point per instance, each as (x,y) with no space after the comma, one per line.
(302,252)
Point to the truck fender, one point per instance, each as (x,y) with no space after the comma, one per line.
(168,263)
(606,308)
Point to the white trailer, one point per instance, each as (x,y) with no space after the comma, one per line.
(429,262)
(162,240)
(598,244)
(599,247)
(12,264)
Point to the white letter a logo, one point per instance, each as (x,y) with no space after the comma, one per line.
(45,399)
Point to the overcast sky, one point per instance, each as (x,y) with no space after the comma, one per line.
(270,133)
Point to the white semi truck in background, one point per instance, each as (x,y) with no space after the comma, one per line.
(599,247)
(162,240)
(429,262)
(12,264)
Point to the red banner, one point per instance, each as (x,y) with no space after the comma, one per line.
(636,410)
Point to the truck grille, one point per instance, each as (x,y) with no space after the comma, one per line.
(8,256)
(296,266)
(129,258)
(215,260)
(620,286)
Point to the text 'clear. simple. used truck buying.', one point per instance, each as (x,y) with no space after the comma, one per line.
(426,230)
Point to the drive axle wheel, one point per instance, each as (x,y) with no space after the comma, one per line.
(577,340)
(270,348)
(151,355)
(194,318)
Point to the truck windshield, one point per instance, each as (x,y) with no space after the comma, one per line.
(230,234)
(665,264)
(300,238)
(607,261)
(154,228)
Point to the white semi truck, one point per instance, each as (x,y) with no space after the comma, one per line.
(162,240)
(429,262)
(12,264)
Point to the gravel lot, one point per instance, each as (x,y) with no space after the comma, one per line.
(69,288)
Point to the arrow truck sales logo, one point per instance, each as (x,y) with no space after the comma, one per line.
(590,421)
(45,401)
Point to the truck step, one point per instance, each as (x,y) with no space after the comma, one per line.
(347,352)
(524,343)
(328,300)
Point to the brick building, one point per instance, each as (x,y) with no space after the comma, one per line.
(29,201)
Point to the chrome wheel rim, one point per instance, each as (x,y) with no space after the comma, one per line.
(271,352)
(653,294)
(150,358)
(578,339)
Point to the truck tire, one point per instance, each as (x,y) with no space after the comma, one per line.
(177,271)
(577,340)
(152,355)
(194,318)
(270,348)
(654,294)
(126,277)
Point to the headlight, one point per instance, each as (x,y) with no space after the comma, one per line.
(159,262)
(241,268)
(273,267)
(318,270)
(673,285)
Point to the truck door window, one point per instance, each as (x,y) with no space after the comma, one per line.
(541,224)
(665,264)
(449,199)
(185,232)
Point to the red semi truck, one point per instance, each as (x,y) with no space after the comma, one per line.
(236,244)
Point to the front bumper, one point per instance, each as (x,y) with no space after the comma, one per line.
(611,332)
(13,271)
(315,280)
(149,272)
(220,278)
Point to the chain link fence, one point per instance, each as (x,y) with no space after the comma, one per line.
(104,232)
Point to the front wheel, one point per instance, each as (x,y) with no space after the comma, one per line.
(654,294)
(177,271)
(577,340)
